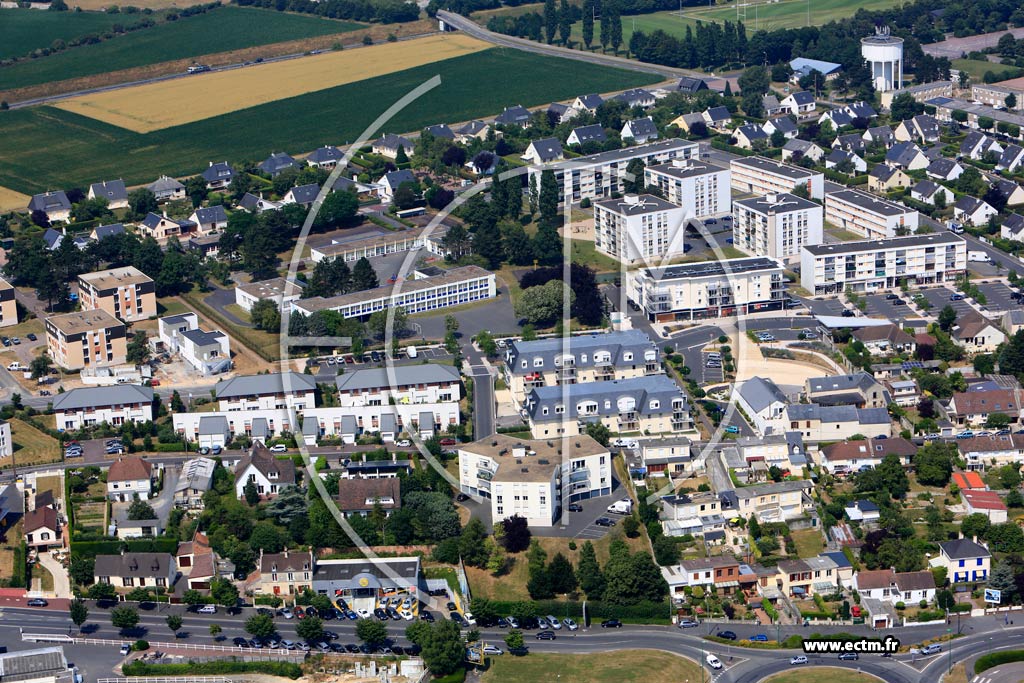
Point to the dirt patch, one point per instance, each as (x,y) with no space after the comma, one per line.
(352,38)
(150,107)
(12,201)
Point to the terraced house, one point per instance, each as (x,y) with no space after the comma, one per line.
(125,293)
(580,359)
(114,405)
(430,383)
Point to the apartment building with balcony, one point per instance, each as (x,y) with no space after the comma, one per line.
(602,174)
(774,502)
(86,339)
(640,228)
(580,359)
(700,187)
(534,479)
(758,175)
(409,384)
(710,289)
(875,265)
(776,225)
(649,405)
(125,293)
(869,216)
(277,391)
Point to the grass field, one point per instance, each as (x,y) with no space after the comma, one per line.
(808,542)
(977,68)
(26,30)
(821,674)
(583,251)
(51,484)
(220,30)
(11,200)
(625,666)
(31,446)
(33,160)
(150,107)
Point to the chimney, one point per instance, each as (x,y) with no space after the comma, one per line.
(974,538)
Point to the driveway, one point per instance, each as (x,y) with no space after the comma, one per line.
(61,583)
(219,299)
(483,401)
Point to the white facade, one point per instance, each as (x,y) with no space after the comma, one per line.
(776,225)
(760,176)
(873,265)
(207,352)
(114,405)
(267,392)
(869,216)
(884,56)
(699,187)
(6,442)
(239,424)
(639,228)
(389,421)
(413,384)
(278,290)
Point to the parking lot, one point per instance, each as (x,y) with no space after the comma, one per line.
(939,298)
(329,365)
(710,375)
(824,306)
(998,296)
(878,306)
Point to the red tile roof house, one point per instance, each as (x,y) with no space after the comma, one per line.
(42,528)
(129,477)
(972,408)
(987,503)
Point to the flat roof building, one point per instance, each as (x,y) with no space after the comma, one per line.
(86,339)
(699,187)
(758,175)
(640,228)
(776,225)
(869,216)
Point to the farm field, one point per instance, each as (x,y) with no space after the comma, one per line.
(31,446)
(26,30)
(626,666)
(220,30)
(11,200)
(150,107)
(476,85)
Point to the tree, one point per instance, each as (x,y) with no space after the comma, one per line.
(488,245)
(1014,499)
(472,548)
(1010,101)
(1002,578)
(517,534)
(138,348)
(1005,538)
(266,316)
(405,195)
(140,509)
(947,317)
(599,432)
(904,107)
(514,638)
(755,80)
(548,201)
(997,421)
(251,493)
(260,626)
(223,591)
(588,22)
(975,524)
(443,650)
(631,527)
(101,591)
(550,20)
(174,622)
(337,209)
(564,22)
(377,324)
(588,572)
(364,276)
(547,244)
(563,580)
(633,182)
(543,304)
(78,613)
(40,366)
(81,569)
(142,202)
(311,629)
(633,578)
(124,617)
(485,340)
(614,23)
(370,631)
(934,463)
(606,30)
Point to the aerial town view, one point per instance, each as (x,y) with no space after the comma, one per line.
(432,341)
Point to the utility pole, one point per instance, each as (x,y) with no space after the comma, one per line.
(950,631)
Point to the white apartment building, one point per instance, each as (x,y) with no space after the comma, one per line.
(6,442)
(600,175)
(709,289)
(534,479)
(873,265)
(114,405)
(758,175)
(700,187)
(641,228)
(776,225)
(408,384)
(209,353)
(430,289)
(218,428)
(276,391)
(277,289)
(388,421)
(869,216)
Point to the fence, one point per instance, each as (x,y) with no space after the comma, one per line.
(238,652)
(176,679)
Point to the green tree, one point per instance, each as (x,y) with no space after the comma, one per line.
(631,526)
(364,276)
(588,571)
(224,592)
(444,650)
(370,631)
(1005,538)
(588,22)
(81,570)
(550,20)
(561,575)
(633,182)
(543,304)
(564,22)
(472,548)
(138,348)
(101,591)
(215,631)
(599,432)
(124,617)
(337,210)
(377,324)
(260,626)
(40,366)
(174,622)
(192,597)
(934,463)
(78,612)
(311,629)
(548,202)
(140,509)
(487,244)
(975,524)
(547,244)
(142,202)
(251,493)
(514,638)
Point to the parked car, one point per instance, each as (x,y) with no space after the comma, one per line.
(575,507)
(570,624)
(279,448)
(427,616)
(448,442)
(555,623)
(31,336)
(512,622)
(286,613)
(759,638)
(492,650)
(611,623)
(403,443)
(604,521)
(727,635)
(208,609)
(37,602)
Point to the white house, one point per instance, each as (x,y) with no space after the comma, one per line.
(973,211)
(129,477)
(800,102)
(390,182)
(209,353)
(764,403)
(543,151)
(275,391)
(986,503)
(268,474)
(640,130)
(1013,228)
(410,384)
(113,405)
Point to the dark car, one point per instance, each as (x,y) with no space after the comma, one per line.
(890,296)
(849,656)
(726,635)
(575,507)
(147,605)
(545,635)
(413,650)
(337,648)
(352,647)
(426,616)
(611,623)
(604,521)
(105,603)
(264,610)
(459,619)
(380,614)
(330,635)
(847,313)
(311,612)
(31,336)
(329,614)
(240,642)
(255,644)
(502,623)
(899,302)
(397,650)
(37,602)
(451,607)
(393,614)
(375,356)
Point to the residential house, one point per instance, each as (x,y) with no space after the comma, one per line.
(771,105)
(965,560)
(12,501)
(166,189)
(55,205)
(718,573)
(389,145)
(976,145)
(847,457)
(41,529)
(114,405)
(850,142)
(847,162)
(285,573)
(414,384)
(113,191)
(640,130)
(276,163)
(838,118)
(862,511)
(257,204)
(695,513)
(474,130)
(1010,192)
(980,452)
(781,124)
(774,502)
(986,503)
(907,156)
(691,85)
(129,478)
(636,97)
(391,181)
(440,130)
(794,578)
(274,391)
(264,471)
(136,570)
(885,340)
(303,195)
(972,408)
(914,587)
(1011,158)
(799,103)
(830,422)
(543,151)
(764,403)
(973,211)
(878,584)
(560,113)
(859,389)
(161,226)
(584,134)
(1013,228)
(929,192)
(882,136)
(923,128)
(748,135)
(884,178)
(327,156)
(796,149)
(195,480)
(976,333)
(102,232)
(588,103)
(364,496)
(717,119)
(1013,321)
(208,353)
(686,122)
(210,219)
(904,392)
(513,116)
(218,175)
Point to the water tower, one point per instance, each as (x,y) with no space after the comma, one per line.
(884,56)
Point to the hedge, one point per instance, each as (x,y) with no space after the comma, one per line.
(111,547)
(641,612)
(94,548)
(231,666)
(993,659)
(176,447)
(19,575)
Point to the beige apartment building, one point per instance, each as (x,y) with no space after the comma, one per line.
(8,306)
(125,293)
(869,216)
(86,339)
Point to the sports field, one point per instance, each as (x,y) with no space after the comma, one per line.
(220,30)
(33,159)
(154,106)
(25,30)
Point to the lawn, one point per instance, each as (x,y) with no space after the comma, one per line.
(31,446)
(583,251)
(821,674)
(51,484)
(220,30)
(477,85)
(26,30)
(625,666)
(808,542)
(977,68)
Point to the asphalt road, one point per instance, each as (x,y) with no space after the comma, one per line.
(483,401)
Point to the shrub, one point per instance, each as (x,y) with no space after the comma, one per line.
(228,666)
(140,645)
(994,659)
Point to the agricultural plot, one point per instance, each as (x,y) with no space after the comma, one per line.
(31,446)
(220,30)
(26,30)
(472,86)
(153,106)
(11,200)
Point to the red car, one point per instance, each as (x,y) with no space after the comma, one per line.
(448,442)
(154,382)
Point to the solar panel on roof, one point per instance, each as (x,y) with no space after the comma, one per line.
(911,364)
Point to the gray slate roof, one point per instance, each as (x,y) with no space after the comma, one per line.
(752,132)
(217,172)
(36,664)
(149,565)
(902,153)
(606,395)
(860,380)
(517,115)
(615,343)
(644,126)
(441,130)
(90,397)
(211,214)
(803,97)
(111,190)
(392,141)
(165,184)
(212,425)
(305,194)
(842,413)
(548,149)
(591,133)
(760,393)
(277,162)
(591,101)
(105,231)
(963,548)
(406,375)
(49,201)
(325,154)
(256,385)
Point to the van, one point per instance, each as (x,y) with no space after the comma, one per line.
(621,507)
(208,609)
(15,366)
(125,649)
(978,257)
(411,351)
(714,662)
(932,649)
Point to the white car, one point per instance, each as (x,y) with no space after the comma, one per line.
(570,624)
(286,613)
(279,448)
(799,659)
(713,661)
(207,609)
(287,645)
(555,623)
(364,613)
(407,615)
(407,603)
(469,617)
(492,650)
(403,443)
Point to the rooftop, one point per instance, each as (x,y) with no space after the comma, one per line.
(714,268)
(636,205)
(774,167)
(928,240)
(782,202)
(84,321)
(531,460)
(867,202)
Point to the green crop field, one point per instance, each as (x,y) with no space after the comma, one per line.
(25,30)
(220,30)
(977,68)
(33,159)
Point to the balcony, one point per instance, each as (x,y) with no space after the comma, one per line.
(485,475)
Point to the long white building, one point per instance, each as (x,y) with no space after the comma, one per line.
(114,405)
(641,228)
(758,175)
(873,265)
(601,175)
(534,479)
(427,383)
(869,216)
(776,225)
(700,187)
(711,289)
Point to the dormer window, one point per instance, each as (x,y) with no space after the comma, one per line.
(538,362)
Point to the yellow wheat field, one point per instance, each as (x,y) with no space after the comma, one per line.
(12,201)
(153,106)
